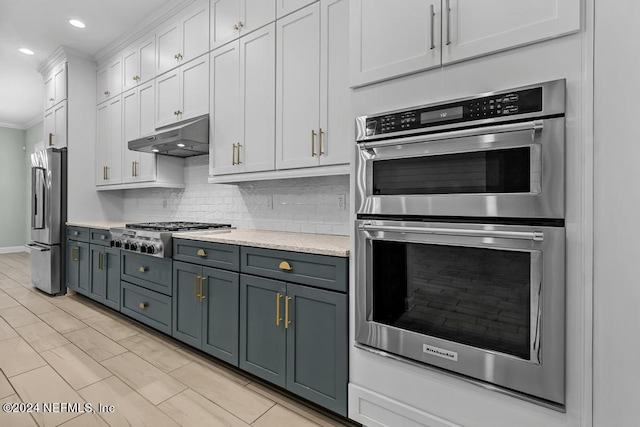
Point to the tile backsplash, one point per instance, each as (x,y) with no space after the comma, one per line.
(309,205)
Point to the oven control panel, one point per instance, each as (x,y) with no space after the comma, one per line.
(157,244)
(469,110)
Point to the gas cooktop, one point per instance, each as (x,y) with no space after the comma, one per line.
(176,226)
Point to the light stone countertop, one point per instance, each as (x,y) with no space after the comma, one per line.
(321,244)
(103,225)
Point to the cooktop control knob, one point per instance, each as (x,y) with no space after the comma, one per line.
(151,249)
(133,246)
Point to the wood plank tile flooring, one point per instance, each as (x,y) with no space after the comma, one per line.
(72,350)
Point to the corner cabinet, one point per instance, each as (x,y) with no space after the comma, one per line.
(439,32)
(312,70)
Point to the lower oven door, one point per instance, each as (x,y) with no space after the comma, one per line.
(485,301)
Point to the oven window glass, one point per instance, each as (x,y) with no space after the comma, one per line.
(494,171)
(474,296)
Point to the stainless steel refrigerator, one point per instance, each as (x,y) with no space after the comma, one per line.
(48,217)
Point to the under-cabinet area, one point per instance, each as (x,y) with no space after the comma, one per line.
(279,315)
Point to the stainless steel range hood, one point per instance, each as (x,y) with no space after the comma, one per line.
(184,139)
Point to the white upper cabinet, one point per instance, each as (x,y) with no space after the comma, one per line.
(472,28)
(242,104)
(392,41)
(185,39)
(285,7)
(55,86)
(138,121)
(231,19)
(416,35)
(109,142)
(109,80)
(55,126)
(183,93)
(313,72)
(138,64)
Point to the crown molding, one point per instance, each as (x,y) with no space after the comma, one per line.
(31,123)
(12,126)
(143,28)
(61,54)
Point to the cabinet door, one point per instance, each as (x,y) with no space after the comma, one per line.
(257,100)
(97,273)
(49,92)
(472,28)
(103,147)
(194,88)
(130,67)
(388,42)
(115,77)
(102,85)
(146,167)
(72,265)
(60,127)
(167,98)
(131,130)
(317,356)
(285,7)
(111,266)
(195,31)
(83,257)
(187,307)
(262,331)
(147,60)
(114,168)
(167,48)
(60,83)
(225,108)
(221,314)
(49,126)
(336,128)
(256,14)
(298,88)
(225,15)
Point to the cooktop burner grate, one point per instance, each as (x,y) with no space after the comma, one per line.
(176,226)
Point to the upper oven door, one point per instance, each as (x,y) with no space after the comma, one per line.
(509,170)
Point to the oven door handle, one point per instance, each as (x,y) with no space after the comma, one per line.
(535,126)
(536,236)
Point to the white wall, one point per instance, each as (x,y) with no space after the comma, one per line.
(616,213)
(303,205)
(449,398)
(12,188)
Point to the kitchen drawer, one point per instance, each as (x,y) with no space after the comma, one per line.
(321,271)
(80,234)
(100,237)
(148,307)
(147,271)
(217,255)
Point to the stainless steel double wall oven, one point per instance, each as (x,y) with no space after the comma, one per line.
(460,239)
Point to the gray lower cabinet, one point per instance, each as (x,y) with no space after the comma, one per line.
(78,266)
(149,307)
(104,283)
(205,309)
(296,337)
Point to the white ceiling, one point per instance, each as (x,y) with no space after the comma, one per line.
(42,26)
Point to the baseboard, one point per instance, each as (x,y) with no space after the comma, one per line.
(13,249)
(375,410)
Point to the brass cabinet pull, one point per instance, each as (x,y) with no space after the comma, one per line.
(284,265)
(99,260)
(240,25)
(320,133)
(133,172)
(238,158)
(142,269)
(278,318)
(195,287)
(287,322)
(233,155)
(179,112)
(102,237)
(235,27)
(106,92)
(202,295)
(75,233)
(50,139)
(313,143)
(136,78)
(143,305)
(135,168)
(201,252)
(76,250)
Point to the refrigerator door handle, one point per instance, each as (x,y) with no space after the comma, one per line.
(37,247)
(37,189)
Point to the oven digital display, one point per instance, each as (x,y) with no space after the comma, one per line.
(441,115)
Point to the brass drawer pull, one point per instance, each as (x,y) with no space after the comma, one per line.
(202,253)
(142,269)
(278,318)
(284,265)
(143,305)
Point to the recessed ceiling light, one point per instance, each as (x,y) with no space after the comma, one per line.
(155,150)
(180,145)
(76,23)
(26,51)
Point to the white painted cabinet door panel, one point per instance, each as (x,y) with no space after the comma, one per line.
(335,95)
(225,109)
(147,60)
(285,7)
(195,31)
(131,130)
(60,118)
(167,48)
(102,85)
(225,15)
(475,28)
(194,88)
(167,98)
(257,100)
(114,173)
(60,83)
(256,14)
(115,77)
(103,147)
(391,39)
(298,88)
(130,67)
(49,92)
(146,169)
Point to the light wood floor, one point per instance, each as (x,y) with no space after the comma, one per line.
(69,350)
